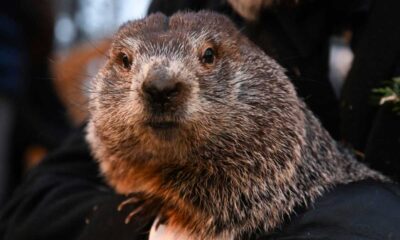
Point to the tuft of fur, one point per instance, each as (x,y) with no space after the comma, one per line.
(246,151)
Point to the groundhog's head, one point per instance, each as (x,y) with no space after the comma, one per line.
(186,106)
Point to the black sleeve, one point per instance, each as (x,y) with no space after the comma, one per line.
(64,198)
(359,211)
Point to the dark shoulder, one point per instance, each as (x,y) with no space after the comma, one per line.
(361,210)
(64,198)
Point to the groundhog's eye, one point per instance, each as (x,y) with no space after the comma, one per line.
(125,60)
(208,56)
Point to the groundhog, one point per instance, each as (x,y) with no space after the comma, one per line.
(189,112)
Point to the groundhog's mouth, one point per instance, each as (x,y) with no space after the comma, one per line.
(163,125)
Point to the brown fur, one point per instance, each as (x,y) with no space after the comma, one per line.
(246,151)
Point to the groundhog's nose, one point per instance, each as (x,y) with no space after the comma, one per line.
(160,89)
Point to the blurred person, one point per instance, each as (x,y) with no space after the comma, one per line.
(11,60)
(35,121)
(370,128)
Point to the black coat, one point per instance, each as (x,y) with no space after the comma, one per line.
(64,198)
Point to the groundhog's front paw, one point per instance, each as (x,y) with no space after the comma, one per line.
(143,205)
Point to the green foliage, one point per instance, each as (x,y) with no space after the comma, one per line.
(389,95)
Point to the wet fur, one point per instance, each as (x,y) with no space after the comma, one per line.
(247,152)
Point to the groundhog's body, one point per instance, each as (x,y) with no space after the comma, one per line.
(189,112)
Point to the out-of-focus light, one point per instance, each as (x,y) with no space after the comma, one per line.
(91,20)
(131,9)
(65,30)
(341,58)
(96,17)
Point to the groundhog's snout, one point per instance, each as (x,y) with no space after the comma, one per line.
(163,92)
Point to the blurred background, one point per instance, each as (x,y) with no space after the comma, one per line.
(80,21)
(49,51)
